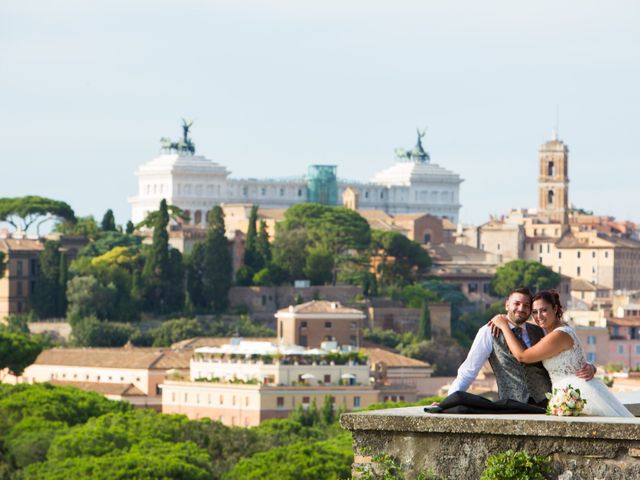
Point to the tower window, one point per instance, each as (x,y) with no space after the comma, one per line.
(551,169)
(550,197)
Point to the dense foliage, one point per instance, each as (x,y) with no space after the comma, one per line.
(51,432)
(22,212)
(523,273)
(161,292)
(48,298)
(512,465)
(18,350)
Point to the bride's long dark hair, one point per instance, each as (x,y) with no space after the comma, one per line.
(552,298)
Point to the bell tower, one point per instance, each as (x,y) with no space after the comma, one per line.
(553,182)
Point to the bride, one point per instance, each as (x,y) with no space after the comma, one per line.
(561,354)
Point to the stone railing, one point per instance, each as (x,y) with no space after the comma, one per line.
(456,446)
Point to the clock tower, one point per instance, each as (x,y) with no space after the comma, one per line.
(553,182)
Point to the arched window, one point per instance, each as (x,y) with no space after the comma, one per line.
(187,213)
(197,217)
(550,197)
(551,169)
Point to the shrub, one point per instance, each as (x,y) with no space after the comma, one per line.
(613,367)
(512,465)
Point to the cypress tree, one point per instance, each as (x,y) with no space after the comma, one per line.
(424,327)
(63,275)
(156,272)
(251,256)
(195,276)
(263,248)
(108,222)
(130,228)
(175,287)
(45,298)
(217,262)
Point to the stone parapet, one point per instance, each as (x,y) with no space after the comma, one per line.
(457,446)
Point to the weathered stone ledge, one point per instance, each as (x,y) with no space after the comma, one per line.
(456,446)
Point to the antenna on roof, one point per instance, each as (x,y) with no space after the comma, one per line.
(556,131)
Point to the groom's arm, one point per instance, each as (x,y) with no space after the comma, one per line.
(478,354)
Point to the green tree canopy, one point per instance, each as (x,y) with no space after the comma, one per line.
(290,251)
(48,299)
(108,223)
(263,246)
(402,260)
(172,331)
(89,297)
(252,259)
(152,459)
(523,273)
(195,263)
(299,461)
(217,262)
(81,227)
(337,231)
(319,266)
(22,212)
(424,325)
(17,351)
(444,354)
(171,211)
(106,241)
(162,275)
(63,404)
(113,275)
(91,332)
(130,228)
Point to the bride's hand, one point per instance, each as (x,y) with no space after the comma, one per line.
(497,323)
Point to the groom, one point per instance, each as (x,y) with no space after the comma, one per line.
(527,383)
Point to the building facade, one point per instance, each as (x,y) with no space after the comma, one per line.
(132,374)
(21,272)
(195,184)
(244,383)
(309,324)
(587,248)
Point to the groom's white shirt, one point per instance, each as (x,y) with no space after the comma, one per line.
(478,354)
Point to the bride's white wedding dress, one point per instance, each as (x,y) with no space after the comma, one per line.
(562,369)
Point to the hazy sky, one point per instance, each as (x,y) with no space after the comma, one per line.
(88,88)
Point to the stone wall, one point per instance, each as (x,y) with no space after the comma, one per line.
(457,446)
(263,302)
(401,319)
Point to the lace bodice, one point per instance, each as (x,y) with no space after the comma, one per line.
(568,362)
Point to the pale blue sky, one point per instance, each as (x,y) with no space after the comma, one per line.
(88,88)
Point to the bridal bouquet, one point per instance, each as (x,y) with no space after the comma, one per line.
(565,402)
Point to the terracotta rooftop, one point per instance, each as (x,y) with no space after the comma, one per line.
(452,251)
(448,224)
(376,215)
(320,306)
(20,245)
(392,359)
(276,214)
(410,216)
(128,358)
(197,342)
(582,285)
(120,389)
(624,322)
(596,241)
